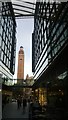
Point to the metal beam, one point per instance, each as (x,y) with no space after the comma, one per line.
(24,15)
(23,6)
(29,2)
(22,10)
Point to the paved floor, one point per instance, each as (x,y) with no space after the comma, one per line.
(11,111)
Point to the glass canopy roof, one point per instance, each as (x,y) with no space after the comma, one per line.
(23,8)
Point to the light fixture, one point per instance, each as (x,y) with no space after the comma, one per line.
(0,90)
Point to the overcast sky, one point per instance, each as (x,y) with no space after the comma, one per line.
(24,38)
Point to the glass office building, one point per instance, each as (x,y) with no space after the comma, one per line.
(50,34)
(7,39)
(49,53)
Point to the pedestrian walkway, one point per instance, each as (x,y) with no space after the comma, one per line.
(11,111)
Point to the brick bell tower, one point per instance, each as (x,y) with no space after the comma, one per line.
(20,71)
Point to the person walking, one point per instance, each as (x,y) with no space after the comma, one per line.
(24,104)
(18,102)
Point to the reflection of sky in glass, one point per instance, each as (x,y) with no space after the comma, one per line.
(41,69)
(63,75)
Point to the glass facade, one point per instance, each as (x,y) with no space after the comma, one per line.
(7,37)
(50,34)
(49,57)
